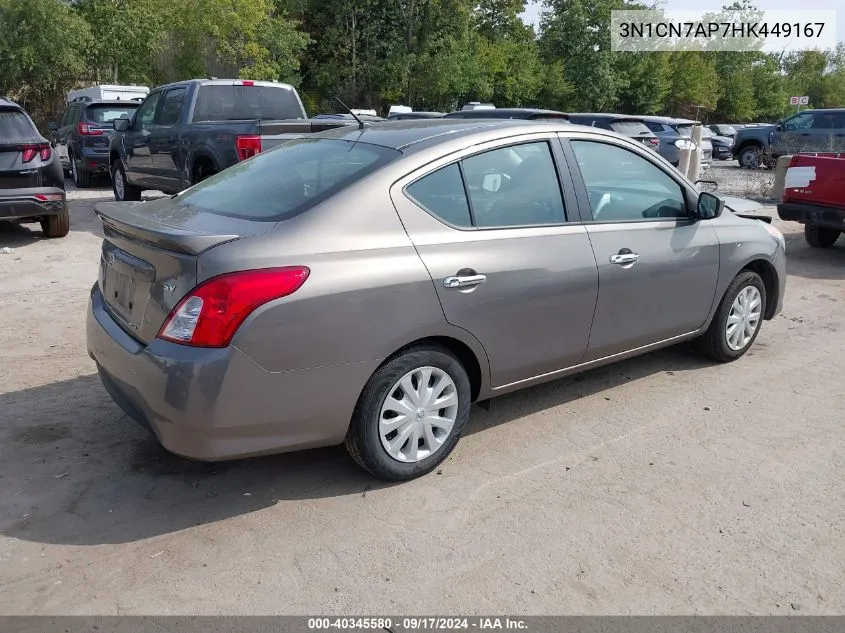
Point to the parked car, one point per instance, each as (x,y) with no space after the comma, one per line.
(722,146)
(671,140)
(188,130)
(108,93)
(477,105)
(814,195)
(81,137)
(632,127)
(808,132)
(684,127)
(32,185)
(723,129)
(410,116)
(364,286)
(532,114)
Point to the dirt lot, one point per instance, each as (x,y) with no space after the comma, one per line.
(665,484)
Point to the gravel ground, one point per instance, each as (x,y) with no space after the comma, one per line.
(660,485)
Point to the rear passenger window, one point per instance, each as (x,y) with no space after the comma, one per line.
(442,194)
(514,186)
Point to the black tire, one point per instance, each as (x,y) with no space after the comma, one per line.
(363,442)
(714,342)
(130,192)
(56,225)
(820,237)
(201,172)
(749,157)
(81,176)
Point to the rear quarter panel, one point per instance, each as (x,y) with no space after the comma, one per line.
(368,293)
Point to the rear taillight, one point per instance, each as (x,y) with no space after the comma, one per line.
(86,129)
(48,197)
(29,152)
(654,141)
(247,145)
(211,313)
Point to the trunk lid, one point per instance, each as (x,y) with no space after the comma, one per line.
(149,257)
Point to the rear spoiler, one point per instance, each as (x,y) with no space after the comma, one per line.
(124,219)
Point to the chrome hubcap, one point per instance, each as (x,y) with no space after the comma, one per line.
(118,183)
(418,414)
(744,318)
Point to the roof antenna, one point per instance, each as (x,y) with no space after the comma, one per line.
(349,110)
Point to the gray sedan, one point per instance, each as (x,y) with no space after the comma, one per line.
(366,286)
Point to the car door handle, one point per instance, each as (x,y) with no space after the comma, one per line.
(805,134)
(464,281)
(624,258)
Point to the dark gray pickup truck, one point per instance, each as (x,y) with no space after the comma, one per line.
(186,131)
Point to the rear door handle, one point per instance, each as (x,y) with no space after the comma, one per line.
(464,281)
(624,258)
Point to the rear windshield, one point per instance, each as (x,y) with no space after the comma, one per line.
(108,113)
(629,128)
(288,179)
(684,130)
(236,103)
(15,126)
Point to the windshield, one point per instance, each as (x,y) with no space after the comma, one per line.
(630,128)
(288,179)
(685,130)
(108,113)
(220,102)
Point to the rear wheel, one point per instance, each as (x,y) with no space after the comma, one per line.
(820,237)
(123,191)
(738,319)
(81,176)
(202,170)
(410,415)
(56,225)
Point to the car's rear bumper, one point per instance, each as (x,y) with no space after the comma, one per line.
(823,216)
(96,161)
(18,204)
(212,404)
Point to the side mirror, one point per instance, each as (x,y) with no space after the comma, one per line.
(492,182)
(779,127)
(709,206)
(121,124)
(52,126)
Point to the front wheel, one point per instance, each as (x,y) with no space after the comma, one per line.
(410,415)
(738,319)
(749,157)
(820,237)
(123,191)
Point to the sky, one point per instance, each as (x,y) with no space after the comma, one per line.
(532,12)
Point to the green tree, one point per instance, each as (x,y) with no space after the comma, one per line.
(129,37)
(694,86)
(576,33)
(42,44)
(648,80)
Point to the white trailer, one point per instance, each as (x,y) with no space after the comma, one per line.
(109,93)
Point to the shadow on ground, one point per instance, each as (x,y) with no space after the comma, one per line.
(802,260)
(74,470)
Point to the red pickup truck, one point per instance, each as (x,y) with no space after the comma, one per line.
(814,195)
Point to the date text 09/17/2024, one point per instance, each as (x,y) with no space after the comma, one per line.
(417,623)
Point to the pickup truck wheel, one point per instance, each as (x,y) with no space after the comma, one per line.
(749,157)
(81,176)
(123,191)
(56,225)
(738,319)
(820,237)
(202,171)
